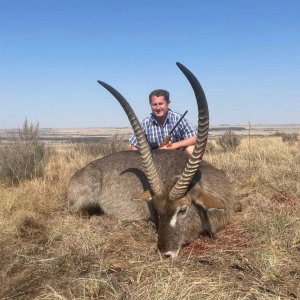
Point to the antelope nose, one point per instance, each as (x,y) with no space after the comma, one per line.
(170,254)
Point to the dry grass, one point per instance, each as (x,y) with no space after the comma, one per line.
(24,158)
(48,254)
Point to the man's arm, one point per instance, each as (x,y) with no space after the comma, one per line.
(132,147)
(181,144)
(133,142)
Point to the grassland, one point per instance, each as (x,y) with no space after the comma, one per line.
(46,253)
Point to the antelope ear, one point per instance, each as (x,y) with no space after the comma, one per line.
(208,201)
(144,196)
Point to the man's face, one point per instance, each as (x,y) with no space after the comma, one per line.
(159,106)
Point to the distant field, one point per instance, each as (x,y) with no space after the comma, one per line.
(255,130)
(99,133)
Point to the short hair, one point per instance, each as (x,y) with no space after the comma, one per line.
(158,93)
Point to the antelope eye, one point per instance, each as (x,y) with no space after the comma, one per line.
(183,210)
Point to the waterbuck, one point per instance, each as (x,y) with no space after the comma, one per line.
(182,194)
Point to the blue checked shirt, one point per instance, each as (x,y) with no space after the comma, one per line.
(156,133)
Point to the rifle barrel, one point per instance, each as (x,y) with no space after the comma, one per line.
(178,122)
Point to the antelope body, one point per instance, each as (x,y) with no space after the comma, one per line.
(183,195)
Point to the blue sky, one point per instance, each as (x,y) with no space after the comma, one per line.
(246,54)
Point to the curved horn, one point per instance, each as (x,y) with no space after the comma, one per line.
(183,182)
(147,161)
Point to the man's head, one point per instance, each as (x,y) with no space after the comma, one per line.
(158,93)
(159,102)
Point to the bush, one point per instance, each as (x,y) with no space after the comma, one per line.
(229,141)
(22,158)
(210,147)
(106,147)
(290,138)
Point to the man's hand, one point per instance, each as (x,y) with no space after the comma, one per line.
(180,144)
(168,146)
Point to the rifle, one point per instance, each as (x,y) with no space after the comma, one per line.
(169,136)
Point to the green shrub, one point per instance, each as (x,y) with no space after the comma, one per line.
(22,158)
(229,141)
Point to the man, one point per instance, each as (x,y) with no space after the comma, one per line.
(161,121)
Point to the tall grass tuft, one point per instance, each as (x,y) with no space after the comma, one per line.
(229,141)
(23,157)
(105,147)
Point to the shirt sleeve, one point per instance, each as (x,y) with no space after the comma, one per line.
(186,130)
(133,140)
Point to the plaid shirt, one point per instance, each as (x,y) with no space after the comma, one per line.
(156,133)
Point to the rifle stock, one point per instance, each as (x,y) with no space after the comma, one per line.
(166,141)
